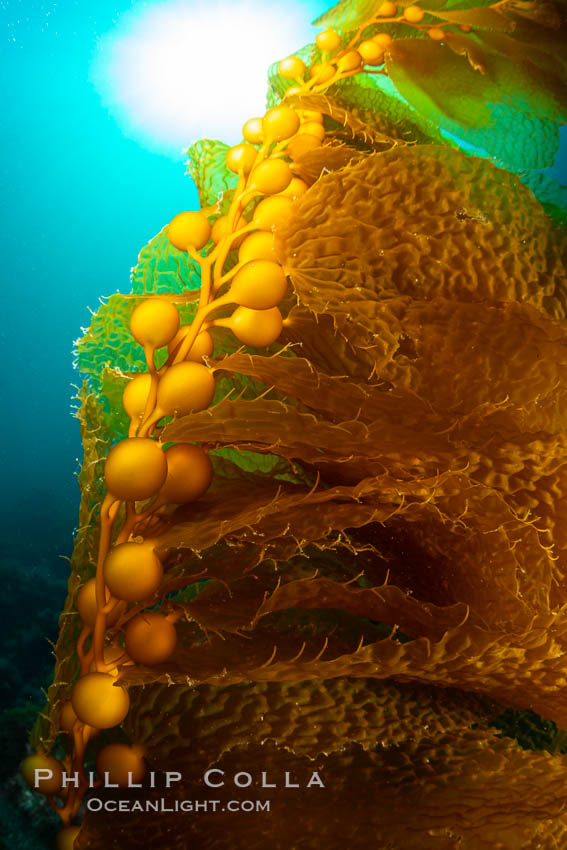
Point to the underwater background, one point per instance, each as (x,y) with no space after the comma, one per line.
(83,198)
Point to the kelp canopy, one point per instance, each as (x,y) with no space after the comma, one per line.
(379,568)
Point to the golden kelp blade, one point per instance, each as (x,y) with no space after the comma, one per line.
(454,778)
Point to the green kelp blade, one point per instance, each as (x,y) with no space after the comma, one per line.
(163,268)
(503,112)
(350,14)
(207,166)
(376,102)
(479,18)
(542,67)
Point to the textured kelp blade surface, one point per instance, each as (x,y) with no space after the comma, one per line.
(452,776)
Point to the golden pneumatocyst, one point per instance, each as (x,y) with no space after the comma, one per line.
(98,701)
(135,469)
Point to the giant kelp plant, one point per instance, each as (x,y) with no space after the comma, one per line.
(323,516)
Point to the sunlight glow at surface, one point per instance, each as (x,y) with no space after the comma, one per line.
(178,71)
